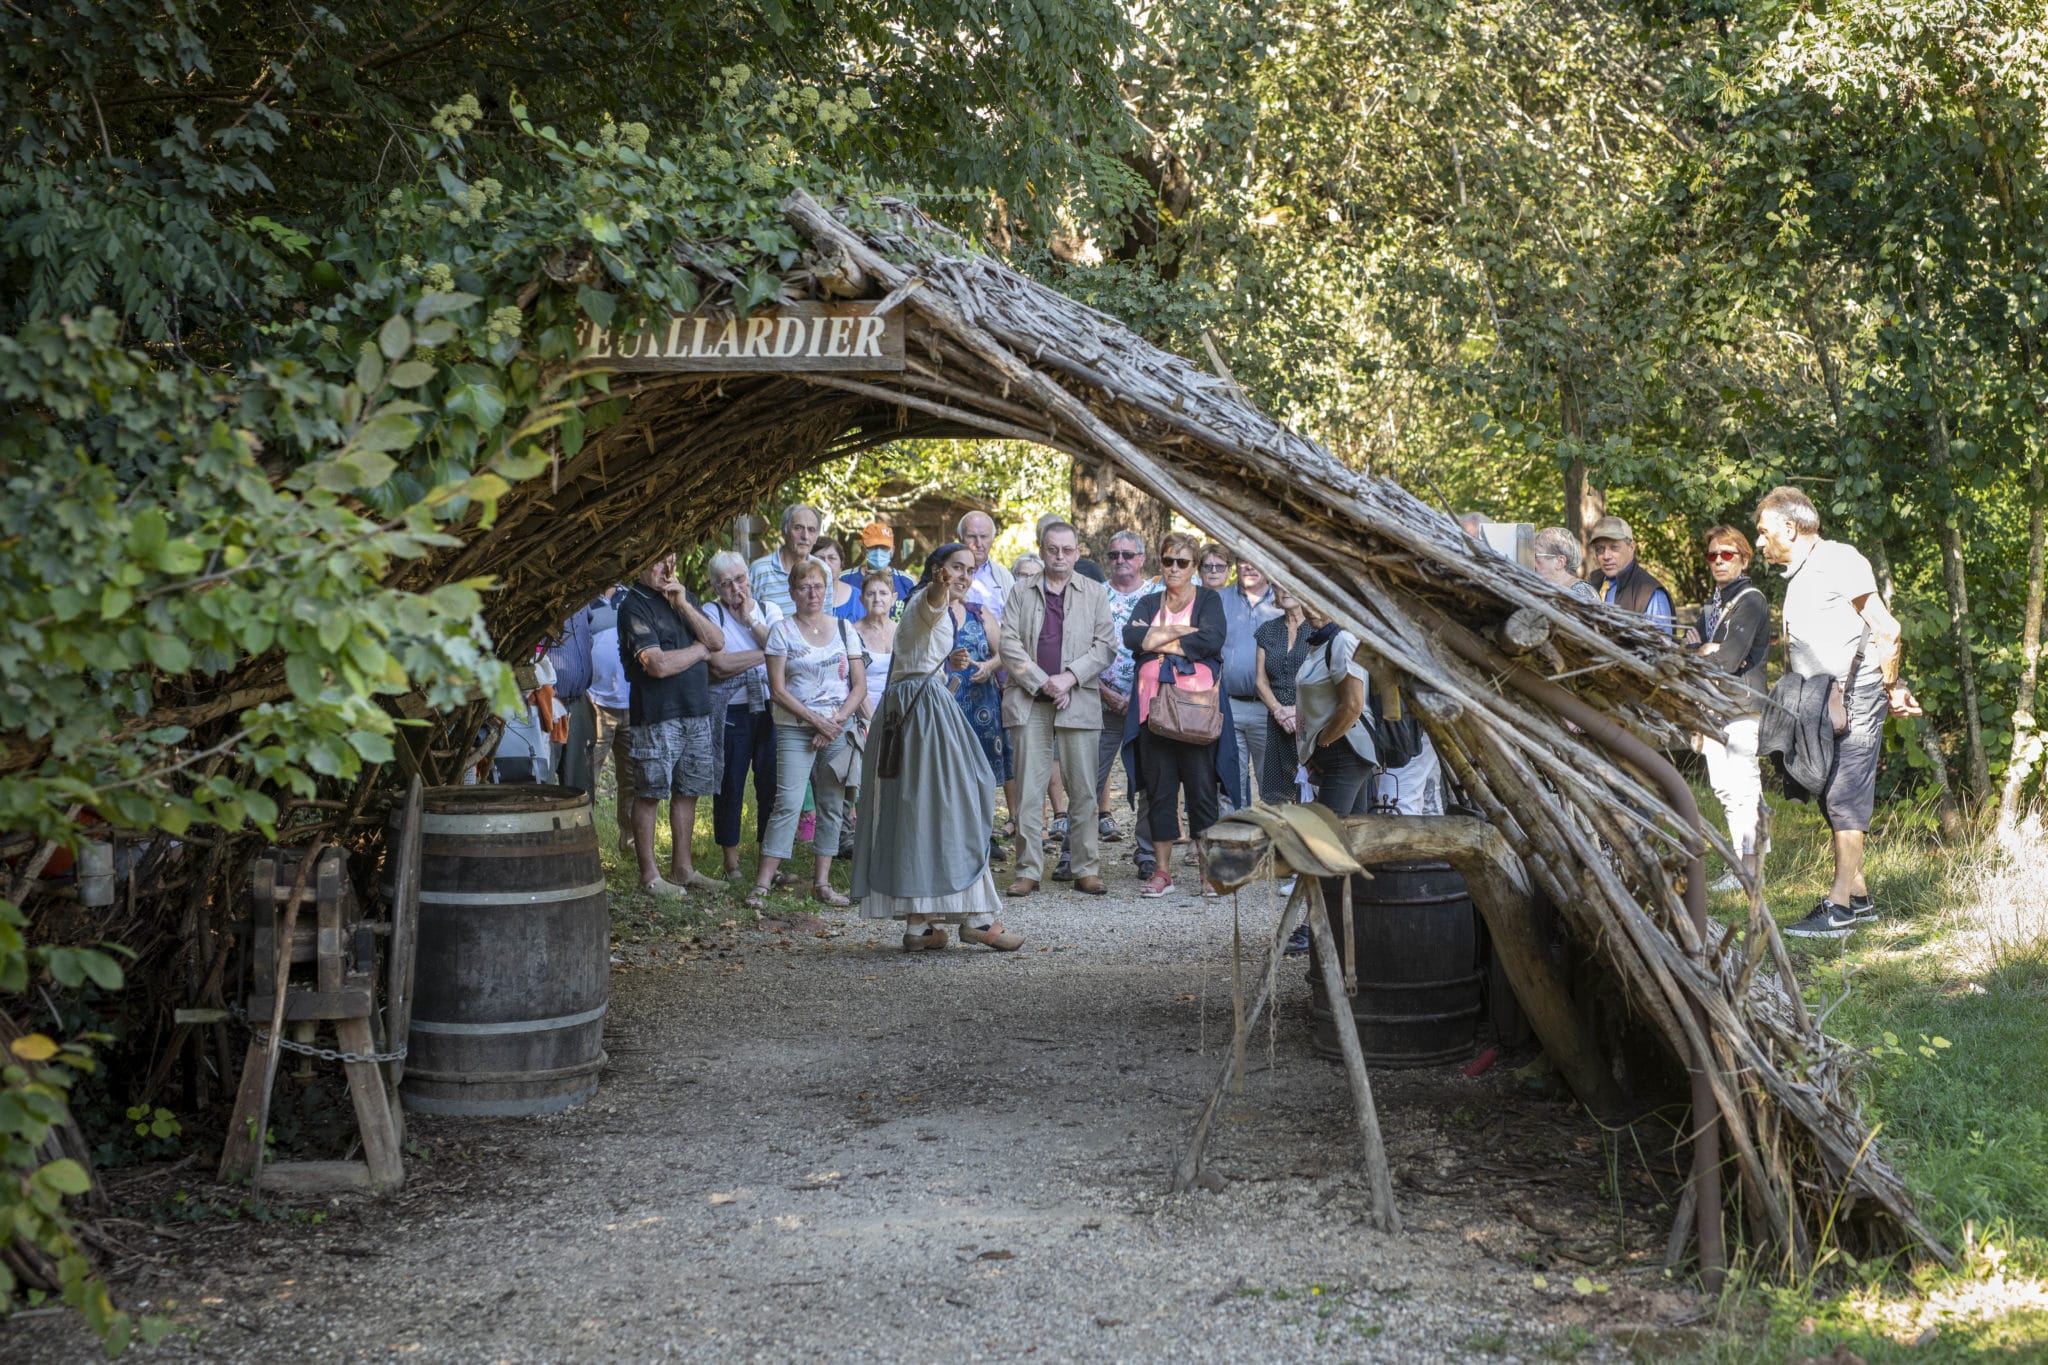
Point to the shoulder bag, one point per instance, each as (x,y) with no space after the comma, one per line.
(1191,715)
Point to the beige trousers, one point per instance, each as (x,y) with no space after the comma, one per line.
(1039,744)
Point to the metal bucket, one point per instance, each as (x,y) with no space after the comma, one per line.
(1421,966)
(514,953)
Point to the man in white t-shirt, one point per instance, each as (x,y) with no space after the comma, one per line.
(1837,626)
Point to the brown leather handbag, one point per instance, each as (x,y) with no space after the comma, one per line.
(1192,715)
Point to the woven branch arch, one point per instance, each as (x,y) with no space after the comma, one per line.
(991,353)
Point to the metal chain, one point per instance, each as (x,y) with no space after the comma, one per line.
(328,1054)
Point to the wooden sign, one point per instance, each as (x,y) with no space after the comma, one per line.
(799,336)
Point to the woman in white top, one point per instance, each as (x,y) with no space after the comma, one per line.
(927,793)
(877,632)
(817,681)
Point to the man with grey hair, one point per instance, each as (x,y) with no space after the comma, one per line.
(770,573)
(1556,554)
(1838,633)
(1055,644)
(991,582)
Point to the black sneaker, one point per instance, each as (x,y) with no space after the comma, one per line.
(1828,920)
(1297,943)
(1864,908)
(1065,871)
(1147,869)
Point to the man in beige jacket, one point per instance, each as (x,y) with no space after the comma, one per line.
(1057,638)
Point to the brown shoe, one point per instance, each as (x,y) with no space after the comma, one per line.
(1090,886)
(1002,940)
(1023,886)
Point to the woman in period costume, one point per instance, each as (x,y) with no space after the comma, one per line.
(928,792)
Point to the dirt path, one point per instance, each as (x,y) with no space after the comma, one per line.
(810,1145)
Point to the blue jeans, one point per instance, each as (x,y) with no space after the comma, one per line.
(749,743)
(1343,779)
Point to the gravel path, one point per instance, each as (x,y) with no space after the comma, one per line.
(811,1146)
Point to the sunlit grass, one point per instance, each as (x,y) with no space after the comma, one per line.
(1960,955)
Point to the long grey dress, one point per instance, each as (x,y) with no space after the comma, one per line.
(921,847)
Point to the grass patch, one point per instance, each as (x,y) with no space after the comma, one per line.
(1960,955)
(640,918)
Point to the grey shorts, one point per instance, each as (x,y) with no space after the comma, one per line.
(674,758)
(1851,793)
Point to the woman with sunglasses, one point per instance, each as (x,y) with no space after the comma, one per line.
(1176,639)
(1735,626)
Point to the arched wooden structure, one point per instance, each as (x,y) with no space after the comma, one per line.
(1496,660)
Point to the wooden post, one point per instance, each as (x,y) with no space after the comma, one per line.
(1190,1163)
(373,1106)
(1385,1216)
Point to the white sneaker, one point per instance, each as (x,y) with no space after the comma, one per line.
(1728,882)
(665,889)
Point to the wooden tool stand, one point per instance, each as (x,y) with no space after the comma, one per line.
(328,979)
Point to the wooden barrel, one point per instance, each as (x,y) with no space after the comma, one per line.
(1421,969)
(514,953)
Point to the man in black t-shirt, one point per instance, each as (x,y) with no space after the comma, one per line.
(677,752)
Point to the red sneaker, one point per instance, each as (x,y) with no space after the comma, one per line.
(1158,885)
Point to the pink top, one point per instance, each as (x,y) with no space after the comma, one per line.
(1148,672)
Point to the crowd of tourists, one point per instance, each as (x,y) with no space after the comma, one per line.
(879,716)
(1821,724)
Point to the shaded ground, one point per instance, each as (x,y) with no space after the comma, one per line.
(810,1145)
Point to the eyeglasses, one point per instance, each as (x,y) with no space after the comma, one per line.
(1211,566)
(1717,556)
(1124,554)
(1175,561)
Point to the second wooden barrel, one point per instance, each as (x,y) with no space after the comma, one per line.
(1421,968)
(514,953)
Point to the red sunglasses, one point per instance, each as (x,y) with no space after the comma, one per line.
(1716,556)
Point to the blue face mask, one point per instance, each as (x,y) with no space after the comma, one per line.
(878,558)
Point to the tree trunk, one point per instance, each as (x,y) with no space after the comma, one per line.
(2026,735)
(1584,504)
(1105,504)
(1966,663)
(1946,809)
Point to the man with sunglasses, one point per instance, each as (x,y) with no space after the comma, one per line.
(1127,583)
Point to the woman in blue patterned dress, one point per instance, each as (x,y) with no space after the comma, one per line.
(971,675)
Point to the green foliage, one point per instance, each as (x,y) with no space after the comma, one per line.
(270,333)
(34,1083)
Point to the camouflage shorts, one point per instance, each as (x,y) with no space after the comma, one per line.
(674,758)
